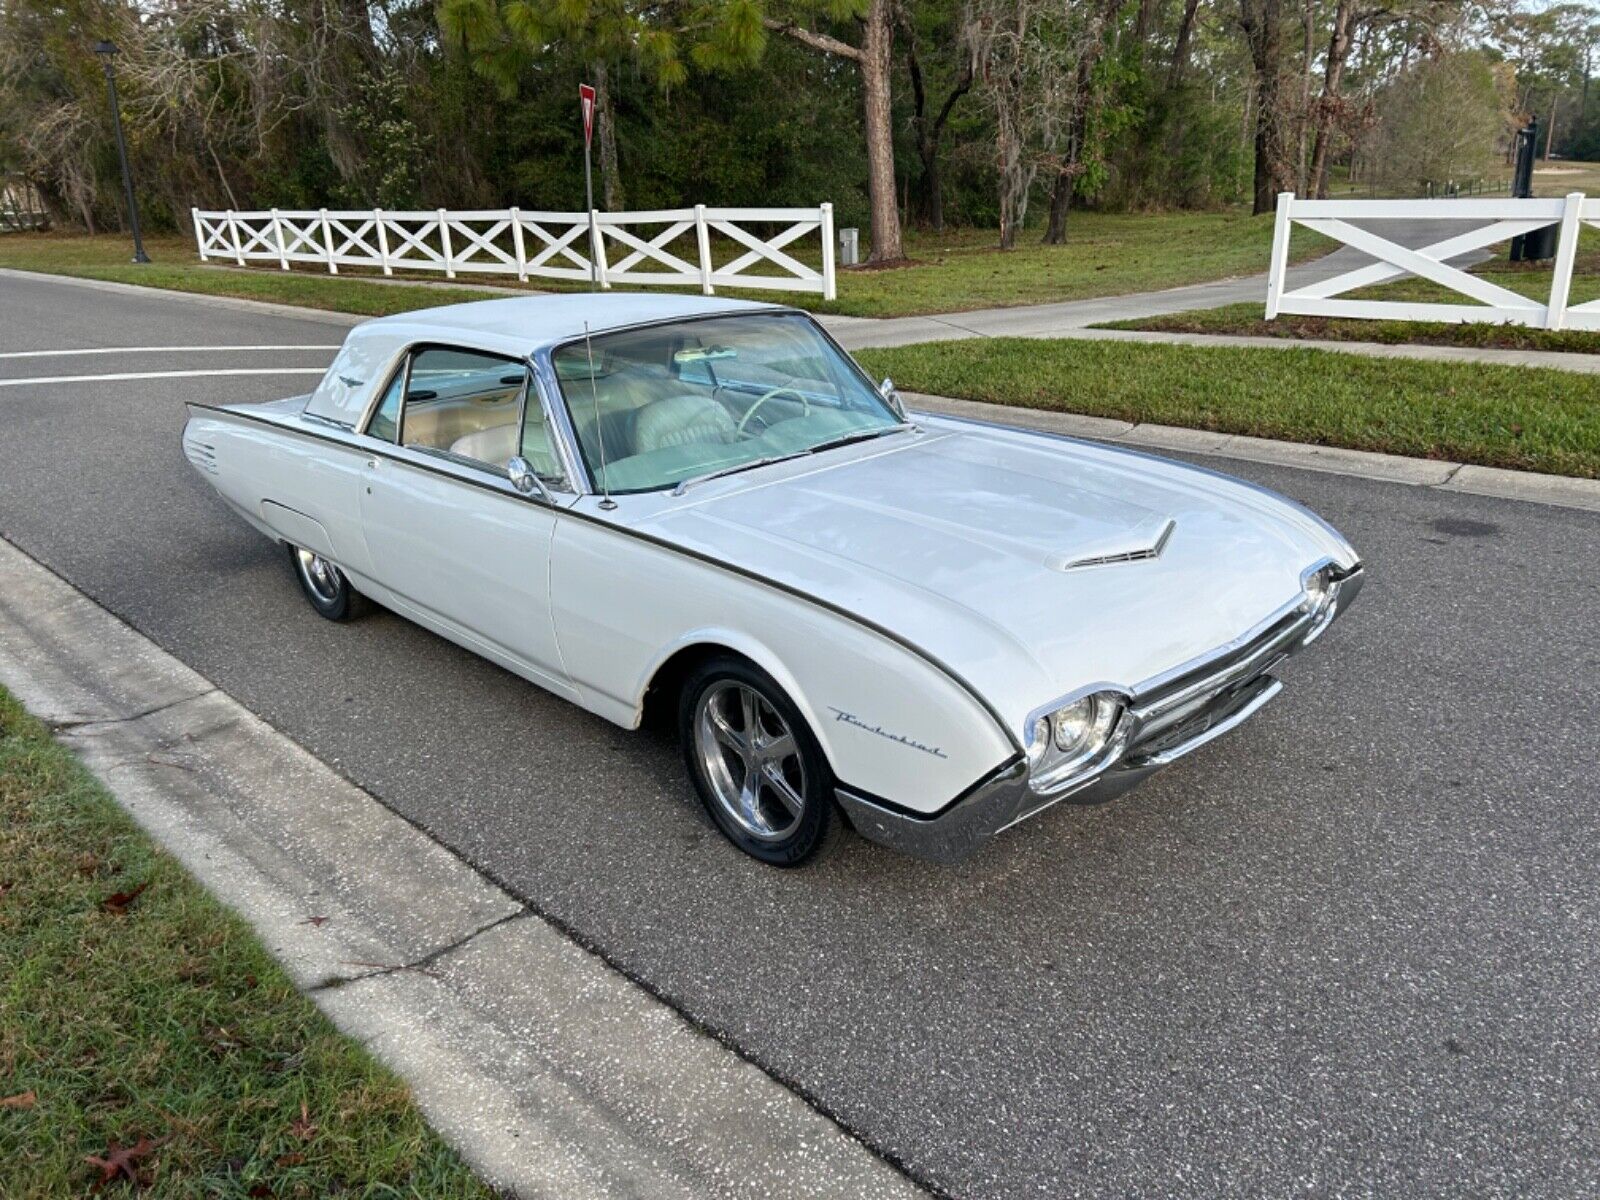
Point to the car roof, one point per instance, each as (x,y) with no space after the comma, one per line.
(516,327)
(523,324)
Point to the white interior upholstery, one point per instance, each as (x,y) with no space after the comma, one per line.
(680,421)
(496,445)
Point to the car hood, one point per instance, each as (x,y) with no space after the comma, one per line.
(1030,565)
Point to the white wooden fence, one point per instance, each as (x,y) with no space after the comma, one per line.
(674,247)
(1487,220)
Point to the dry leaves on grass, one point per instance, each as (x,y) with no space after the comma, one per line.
(20,1100)
(122,1161)
(119,903)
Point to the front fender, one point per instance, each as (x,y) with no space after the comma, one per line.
(891,722)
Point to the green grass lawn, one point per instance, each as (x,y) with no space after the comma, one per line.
(1538,420)
(1107,254)
(137,1014)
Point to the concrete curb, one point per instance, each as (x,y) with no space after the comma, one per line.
(1529,486)
(552,1073)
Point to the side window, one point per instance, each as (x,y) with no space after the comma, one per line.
(385,421)
(464,403)
(538,445)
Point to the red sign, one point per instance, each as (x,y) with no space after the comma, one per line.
(586,99)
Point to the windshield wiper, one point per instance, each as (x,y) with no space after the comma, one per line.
(685,484)
(862,435)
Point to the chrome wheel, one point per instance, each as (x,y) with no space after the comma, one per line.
(751,760)
(321,577)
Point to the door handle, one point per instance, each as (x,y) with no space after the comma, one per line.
(373,463)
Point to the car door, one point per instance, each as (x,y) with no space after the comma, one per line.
(459,548)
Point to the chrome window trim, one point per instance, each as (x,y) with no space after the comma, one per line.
(400,362)
(564,435)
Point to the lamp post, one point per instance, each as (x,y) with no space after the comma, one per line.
(108,51)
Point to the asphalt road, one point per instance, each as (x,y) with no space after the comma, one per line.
(1348,950)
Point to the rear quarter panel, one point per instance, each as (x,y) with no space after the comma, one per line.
(287,485)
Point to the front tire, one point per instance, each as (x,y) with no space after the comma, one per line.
(326,587)
(757,767)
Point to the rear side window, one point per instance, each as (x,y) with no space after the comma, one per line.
(465,404)
(385,423)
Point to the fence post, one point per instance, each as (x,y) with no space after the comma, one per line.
(277,237)
(327,243)
(1279,263)
(199,237)
(1555,315)
(703,236)
(444,240)
(516,240)
(830,290)
(383,241)
(233,237)
(598,249)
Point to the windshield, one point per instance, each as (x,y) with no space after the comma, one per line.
(670,403)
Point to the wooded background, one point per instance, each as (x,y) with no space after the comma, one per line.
(999,113)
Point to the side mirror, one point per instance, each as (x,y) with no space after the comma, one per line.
(892,397)
(524,479)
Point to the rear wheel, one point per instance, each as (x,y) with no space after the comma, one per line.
(758,769)
(325,586)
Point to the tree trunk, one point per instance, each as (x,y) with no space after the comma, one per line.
(873,59)
(877,47)
(1263,29)
(931,133)
(1055,232)
(1332,80)
(1302,118)
(1180,47)
(610,180)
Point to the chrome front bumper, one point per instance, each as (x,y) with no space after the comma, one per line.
(1167,718)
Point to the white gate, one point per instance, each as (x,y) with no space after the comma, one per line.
(671,247)
(1490,221)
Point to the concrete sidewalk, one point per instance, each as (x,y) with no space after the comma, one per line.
(554,1074)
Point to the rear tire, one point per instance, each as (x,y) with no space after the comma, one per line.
(755,763)
(326,587)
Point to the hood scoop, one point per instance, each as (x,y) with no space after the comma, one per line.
(1145,541)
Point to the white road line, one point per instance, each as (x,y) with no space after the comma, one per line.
(163,375)
(147,350)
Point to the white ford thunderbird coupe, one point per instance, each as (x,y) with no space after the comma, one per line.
(927,628)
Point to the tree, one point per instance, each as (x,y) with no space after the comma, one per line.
(872,58)
(1443,118)
(1089,48)
(930,132)
(1262,24)
(504,37)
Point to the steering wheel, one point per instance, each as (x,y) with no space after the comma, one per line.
(805,405)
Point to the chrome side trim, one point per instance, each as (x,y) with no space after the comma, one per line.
(502,487)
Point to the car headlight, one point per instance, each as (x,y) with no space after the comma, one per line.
(1320,586)
(1072,740)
